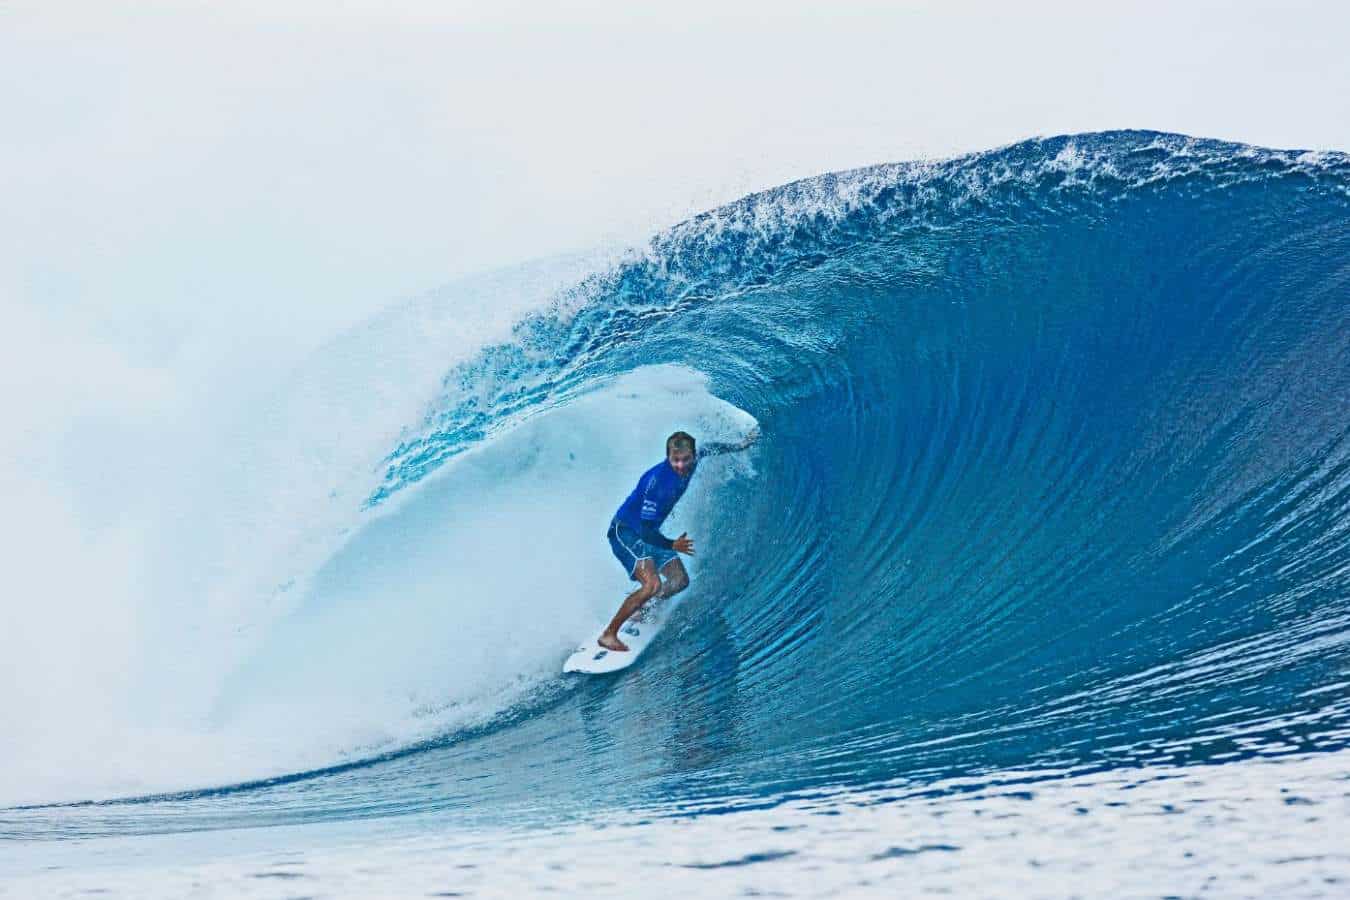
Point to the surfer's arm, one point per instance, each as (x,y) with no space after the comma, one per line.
(717,448)
(652,535)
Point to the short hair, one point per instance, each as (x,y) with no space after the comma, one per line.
(681,440)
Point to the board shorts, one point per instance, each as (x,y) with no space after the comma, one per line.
(630,549)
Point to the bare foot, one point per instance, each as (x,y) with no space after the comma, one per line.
(611,642)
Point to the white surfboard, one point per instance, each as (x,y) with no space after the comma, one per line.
(592,659)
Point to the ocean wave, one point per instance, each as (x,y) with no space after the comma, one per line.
(1054,477)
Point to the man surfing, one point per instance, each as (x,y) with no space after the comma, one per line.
(635,533)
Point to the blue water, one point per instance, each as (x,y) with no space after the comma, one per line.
(1054,478)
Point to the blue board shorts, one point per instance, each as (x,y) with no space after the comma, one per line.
(630,549)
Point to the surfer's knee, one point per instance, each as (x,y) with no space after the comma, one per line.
(677,579)
(649,583)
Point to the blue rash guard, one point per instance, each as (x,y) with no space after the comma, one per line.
(657,492)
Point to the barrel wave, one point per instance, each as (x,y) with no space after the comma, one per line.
(1053,477)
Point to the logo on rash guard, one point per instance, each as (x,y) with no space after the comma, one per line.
(648,504)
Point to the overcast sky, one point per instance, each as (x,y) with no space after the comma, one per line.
(283,167)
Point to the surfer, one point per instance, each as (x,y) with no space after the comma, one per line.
(635,533)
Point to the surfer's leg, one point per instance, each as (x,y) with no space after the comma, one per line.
(677,579)
(650,584)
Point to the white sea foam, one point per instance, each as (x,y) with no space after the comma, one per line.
(229,661)
(165,516)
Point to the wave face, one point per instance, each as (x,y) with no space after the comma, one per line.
(1054,477)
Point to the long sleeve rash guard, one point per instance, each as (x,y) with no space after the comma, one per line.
(657,492)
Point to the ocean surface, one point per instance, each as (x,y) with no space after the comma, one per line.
(1036,581)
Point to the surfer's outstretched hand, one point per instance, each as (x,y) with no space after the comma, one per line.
(683,544)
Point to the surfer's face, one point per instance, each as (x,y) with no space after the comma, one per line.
(682,461)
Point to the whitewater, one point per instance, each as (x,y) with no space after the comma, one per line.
(1039,566)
